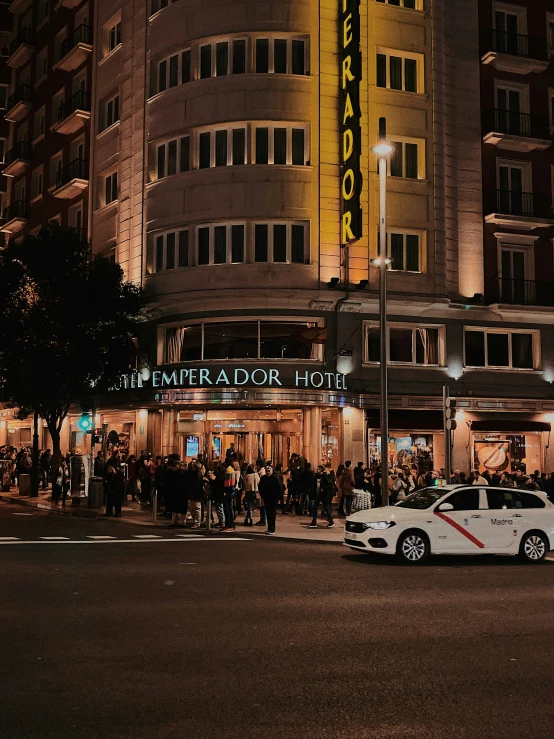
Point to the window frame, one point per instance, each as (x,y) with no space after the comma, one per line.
(289,127)
(418,4)
(421,158)
(535,348)
(167,59)
(116,29)
(271,38)
(422,249)
(407,326)
(163,235)
(106,103)
(213,43)
(211,243)
(110,176)
(155,177)
(271,240)
(213,130)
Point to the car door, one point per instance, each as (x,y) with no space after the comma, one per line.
(505,517)
(457,530)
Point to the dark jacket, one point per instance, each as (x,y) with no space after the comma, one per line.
(196,485)
(270,489)
(307,482)
(116,485)
(217,488)
(176,489)
(327,487)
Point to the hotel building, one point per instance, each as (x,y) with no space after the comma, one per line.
(217,176)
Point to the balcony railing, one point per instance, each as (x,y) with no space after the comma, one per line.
(521,292)
(26,36)
(515,203)
(77,170)
(79,101)
(18,209)
(515,123)
(22,150)
(81,35)
(515,44)
(23,94)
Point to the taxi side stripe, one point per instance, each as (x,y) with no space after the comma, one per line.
(459,528)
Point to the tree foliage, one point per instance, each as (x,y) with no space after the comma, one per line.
(67,325)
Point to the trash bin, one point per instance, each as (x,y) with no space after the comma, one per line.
(24,484)
(96,492)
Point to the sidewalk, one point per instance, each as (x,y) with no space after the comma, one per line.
(288,527)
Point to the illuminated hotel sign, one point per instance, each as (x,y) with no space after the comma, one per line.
(350,78)
(231,377)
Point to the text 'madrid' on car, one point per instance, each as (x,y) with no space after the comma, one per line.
(457,520)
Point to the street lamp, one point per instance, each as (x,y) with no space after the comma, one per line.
(383,150)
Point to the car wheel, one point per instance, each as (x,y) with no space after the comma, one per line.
(533,547)
(413,547)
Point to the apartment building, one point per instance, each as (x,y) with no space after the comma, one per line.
(220,174)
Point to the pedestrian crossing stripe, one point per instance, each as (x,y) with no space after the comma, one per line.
(146,536)
(101,537)
(55,538)
(9,538)
(156,540)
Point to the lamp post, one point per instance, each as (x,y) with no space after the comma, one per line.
(383,150)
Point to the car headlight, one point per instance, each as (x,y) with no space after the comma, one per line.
(381,525)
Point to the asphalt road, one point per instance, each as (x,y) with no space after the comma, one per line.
(208,638)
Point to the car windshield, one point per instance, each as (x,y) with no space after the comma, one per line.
(423,498)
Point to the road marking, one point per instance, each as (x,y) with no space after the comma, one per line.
(101,537)
(9,538)
(23,514)
(146,536)
(55,538)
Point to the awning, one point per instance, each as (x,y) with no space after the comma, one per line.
(412,421)
(514,426)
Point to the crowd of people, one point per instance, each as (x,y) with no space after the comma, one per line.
(256,490)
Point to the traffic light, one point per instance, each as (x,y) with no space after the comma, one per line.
(85,422)
(451,423)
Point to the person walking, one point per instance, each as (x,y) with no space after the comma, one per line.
(340,472)
(307,487)
(251,482)
(325,492)
(270,490)
(347,486)
(217,491)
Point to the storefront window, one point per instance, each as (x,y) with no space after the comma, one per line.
(507,452)
(411,450)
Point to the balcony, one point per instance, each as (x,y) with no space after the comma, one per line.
(16,216)
(522,211)
(521,292)
(22,47)
(514,53)
(18,159)
(516,131)
(73,114)
(71,180)
(67,4)
(75,49)
(20,103)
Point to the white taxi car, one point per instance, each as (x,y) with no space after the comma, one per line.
(455,519)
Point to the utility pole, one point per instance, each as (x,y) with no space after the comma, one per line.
(35,460)
(449,416)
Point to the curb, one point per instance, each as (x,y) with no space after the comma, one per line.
(94,514)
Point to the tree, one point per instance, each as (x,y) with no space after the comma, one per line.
(67,328)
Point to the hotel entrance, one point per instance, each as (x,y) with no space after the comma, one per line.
(268,434)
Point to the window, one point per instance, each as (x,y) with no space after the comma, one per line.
(43,11)
(499,500)
(58,44)
(398,71)
(3,97)
(221,148)
(282,144)
(171,250)
(280,242)
(221,244)
(172,157)
(412,4)
(464,500)
(156,5)
(405,251)
(110,188)
(2,151)
(37,183)
(501,349)
(75,219)
(221,58)
(56,166)
(169,72)
(114,36)
(405,160)
(39,123)
(282,56)
(58,101)
(550,31)
(41,65)
(112,111)
(419,345)
(247,339)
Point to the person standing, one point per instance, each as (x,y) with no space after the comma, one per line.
(347,486)
(325,492)
(229,503)
(270,490)
(217,491)
(340,472)
(307,487)
(45,465)
(177,489)
(115,491)
(251,482)
(196,493)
